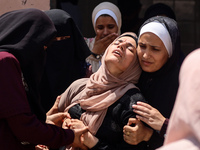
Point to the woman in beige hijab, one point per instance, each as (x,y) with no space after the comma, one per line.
(106,19)
(183,131)
(104,101)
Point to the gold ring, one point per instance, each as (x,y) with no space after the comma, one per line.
(128,133)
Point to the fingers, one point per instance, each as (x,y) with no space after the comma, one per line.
(144,104)
(132,121)
(144,119)
(109,38)
(142,109)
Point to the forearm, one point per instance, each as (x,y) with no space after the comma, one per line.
(26,127)
(157,138)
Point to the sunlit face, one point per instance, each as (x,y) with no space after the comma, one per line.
(120,55)
(151,52)
(104,26)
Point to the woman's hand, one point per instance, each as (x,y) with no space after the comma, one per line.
(138,133)
(101,44)
(79,130)
(54,108)
(149,115)
(41,147)
(87,139)
(57,119)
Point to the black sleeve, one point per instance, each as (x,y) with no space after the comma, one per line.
(122,112)
(155,141)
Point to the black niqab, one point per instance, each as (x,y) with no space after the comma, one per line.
(65,58)
(24,33)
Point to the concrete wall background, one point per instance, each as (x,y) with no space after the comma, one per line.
(9,5)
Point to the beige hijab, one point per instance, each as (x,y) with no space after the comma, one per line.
(183,132)
(111,7)
(100,91)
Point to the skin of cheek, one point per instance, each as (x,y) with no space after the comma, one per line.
(105,22)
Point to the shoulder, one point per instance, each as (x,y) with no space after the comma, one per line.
(132,96)
(7,60)
(7,56)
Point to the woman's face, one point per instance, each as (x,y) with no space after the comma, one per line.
(104,26)
(120,55)
(151,52)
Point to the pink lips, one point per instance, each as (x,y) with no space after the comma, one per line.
(118,53)
(146,63)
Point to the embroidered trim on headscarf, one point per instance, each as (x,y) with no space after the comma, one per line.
(161,31)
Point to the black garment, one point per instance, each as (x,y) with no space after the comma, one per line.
(160,88)
(25,36)
(65,58)
(110,133)
(130,11)
(159,9)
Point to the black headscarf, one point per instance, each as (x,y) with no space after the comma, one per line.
(24,33)
(160,87)
(159,9)
(65,58)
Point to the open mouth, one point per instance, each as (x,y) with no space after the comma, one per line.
(118,53)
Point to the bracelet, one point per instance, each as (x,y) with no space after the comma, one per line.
(97,56)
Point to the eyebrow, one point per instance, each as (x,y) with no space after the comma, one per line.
(127,42)
(149,44)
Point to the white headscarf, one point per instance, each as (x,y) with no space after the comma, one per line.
(108,9)
(161,31)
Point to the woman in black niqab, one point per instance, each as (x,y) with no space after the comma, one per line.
(65,57)
(25,37)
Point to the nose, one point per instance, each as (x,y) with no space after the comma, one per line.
(146,54)
(123,44)
(106,31)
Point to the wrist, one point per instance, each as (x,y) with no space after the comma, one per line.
(90,140)
(97,56)
(149,134)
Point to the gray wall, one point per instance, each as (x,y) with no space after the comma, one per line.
(187,14)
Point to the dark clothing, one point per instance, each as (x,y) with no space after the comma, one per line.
(65,58)
(160,91)
(110,133)
(160,88)
(23,34)
(17,123)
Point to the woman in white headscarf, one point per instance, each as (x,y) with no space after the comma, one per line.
(183,130)
(158,52)
(106,19)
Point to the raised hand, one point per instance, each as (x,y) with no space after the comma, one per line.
(101,44)
(149,115)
